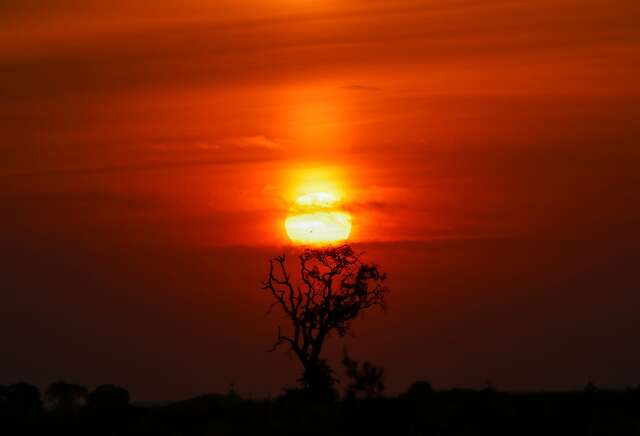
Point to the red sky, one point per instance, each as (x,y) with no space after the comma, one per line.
(487,150)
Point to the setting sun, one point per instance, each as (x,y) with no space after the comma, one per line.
(316,218)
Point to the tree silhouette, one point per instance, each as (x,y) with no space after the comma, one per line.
(334,287)
(67,397)
(20,399)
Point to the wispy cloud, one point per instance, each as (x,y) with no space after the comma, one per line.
(141,166)
(357,87)
(195,145)
(259,141)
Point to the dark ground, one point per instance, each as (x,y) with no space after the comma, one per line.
(420,411)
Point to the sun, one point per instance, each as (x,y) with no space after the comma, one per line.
(316,218)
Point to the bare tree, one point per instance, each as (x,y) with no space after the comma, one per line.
(334,287)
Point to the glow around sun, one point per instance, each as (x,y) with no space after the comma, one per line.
(316,218)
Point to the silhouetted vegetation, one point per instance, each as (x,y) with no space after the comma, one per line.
(334,288)
(66,397)
(108,398)
(419,411)
(366,379)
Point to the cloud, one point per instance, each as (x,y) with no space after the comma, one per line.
(179,55)
(360,88)
(373,205)
(81,200)
(154,166)
(196,145)
(259,141)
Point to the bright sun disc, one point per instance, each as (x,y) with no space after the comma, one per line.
(316,219)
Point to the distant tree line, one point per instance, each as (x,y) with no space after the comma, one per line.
(62,397)
(71,409)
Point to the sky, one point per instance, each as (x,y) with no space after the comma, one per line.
(486,150)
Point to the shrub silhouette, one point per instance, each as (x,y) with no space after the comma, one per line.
(420,389)
(334,288)
(366,379)
(108,397)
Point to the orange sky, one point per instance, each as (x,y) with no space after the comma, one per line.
(190,124)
